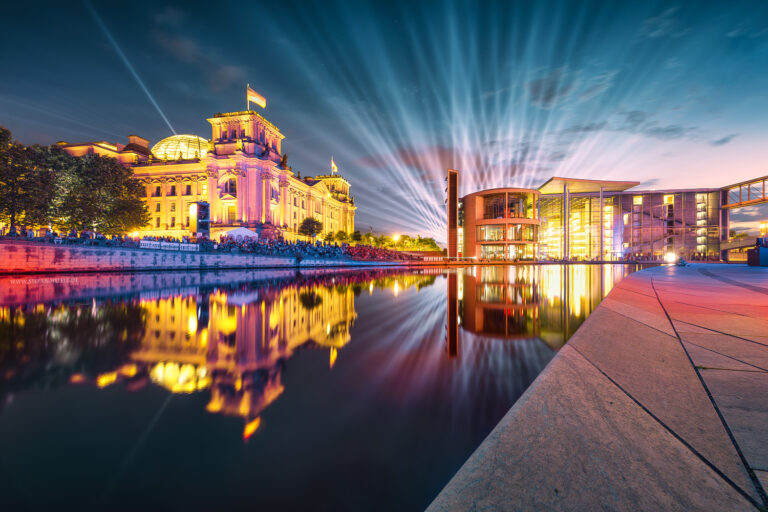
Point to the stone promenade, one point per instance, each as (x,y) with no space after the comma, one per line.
(658,402)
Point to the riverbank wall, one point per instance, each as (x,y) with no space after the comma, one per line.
(35,257)
(658,402)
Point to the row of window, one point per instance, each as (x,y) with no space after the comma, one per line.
(514,233)
(185,191)
(172,223)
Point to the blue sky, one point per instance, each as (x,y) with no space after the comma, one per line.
(670,94)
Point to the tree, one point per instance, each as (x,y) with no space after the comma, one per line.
(341,236)
(98,193)
(310,227)
(26,183)
(357,236)
(329,236)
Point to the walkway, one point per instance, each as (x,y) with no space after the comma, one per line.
(658,402)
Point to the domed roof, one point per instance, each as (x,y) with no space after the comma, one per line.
(185,147)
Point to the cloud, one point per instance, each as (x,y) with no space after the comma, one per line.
(670,131)
(219,75)
(549,90)
(598,85)
(663,25)
(648,184)
(724,140)
(169,16)
(585,128)
(743,30)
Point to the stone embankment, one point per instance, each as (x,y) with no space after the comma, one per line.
(658,402)
(32,257)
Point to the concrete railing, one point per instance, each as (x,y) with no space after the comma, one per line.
(169,246)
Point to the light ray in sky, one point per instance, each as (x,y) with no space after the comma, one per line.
(127,63)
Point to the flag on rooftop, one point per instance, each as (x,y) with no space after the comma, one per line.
(255,97)
(334,169)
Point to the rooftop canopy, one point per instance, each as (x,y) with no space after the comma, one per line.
(577,186)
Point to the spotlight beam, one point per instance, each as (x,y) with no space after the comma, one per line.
(127,63)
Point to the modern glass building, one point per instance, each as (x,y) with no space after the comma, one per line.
(595,220)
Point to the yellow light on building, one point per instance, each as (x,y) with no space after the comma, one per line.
(637,200)
(669,199)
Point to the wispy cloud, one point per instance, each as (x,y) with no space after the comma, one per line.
(549,90)
(598,85)
(724,140)
(665,24)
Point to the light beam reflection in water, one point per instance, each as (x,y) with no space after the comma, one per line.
(337,390)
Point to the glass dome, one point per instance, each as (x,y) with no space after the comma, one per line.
(185,147)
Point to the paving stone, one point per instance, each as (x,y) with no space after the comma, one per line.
(763,477)
(708,359)
(748,351)
(605,454)
(742,398)
(654,369)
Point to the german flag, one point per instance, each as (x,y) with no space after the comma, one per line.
(255,97)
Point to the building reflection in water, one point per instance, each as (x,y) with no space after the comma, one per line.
(546,302)
(235,343)
(232,341)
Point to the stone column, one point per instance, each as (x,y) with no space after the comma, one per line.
(213,194)
(251,197)
(283,201)
(267,183)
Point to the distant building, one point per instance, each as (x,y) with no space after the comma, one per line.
(577,219)
(241,171)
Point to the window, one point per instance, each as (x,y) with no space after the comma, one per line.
(186,222)
(173,190)
(493,206)
(157,191)
(188,190)
(157,222)
(637,200)
(302,204)
(490,233)
(294,215)
(294,201)
(669,199)
(205,189)
(626,218)
(157,207)
(231,213)
(230,187)
(173,222)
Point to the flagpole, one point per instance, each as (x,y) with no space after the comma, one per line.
(247,99)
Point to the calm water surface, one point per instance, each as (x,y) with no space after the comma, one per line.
(361,390)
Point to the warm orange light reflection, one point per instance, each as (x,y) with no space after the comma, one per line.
(251,427)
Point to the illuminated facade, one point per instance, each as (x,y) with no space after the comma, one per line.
(577,219)
(499,224)
(241,172)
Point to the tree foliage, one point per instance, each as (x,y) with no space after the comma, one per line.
(44,185)
(341,236)
(100,194)
(310,227)
(27,182)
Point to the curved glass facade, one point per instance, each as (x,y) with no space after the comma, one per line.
(500,224)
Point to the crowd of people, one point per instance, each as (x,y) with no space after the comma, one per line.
(300,250)
(308,250)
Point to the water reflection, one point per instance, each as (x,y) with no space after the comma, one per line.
(548,302)
(334,371)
